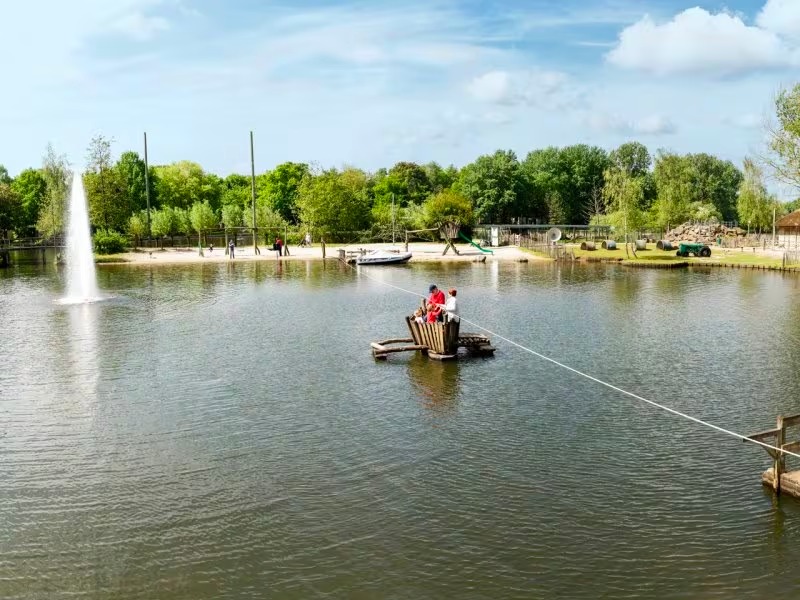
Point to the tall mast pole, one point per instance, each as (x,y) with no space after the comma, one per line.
(147,184)
(253,192)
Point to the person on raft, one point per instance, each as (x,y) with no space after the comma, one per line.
(437,299)
(450,307)
(434,313)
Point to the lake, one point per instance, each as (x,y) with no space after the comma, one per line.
(222,431)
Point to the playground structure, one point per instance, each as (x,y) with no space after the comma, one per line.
(449,231)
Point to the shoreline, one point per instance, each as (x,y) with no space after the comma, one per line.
(421,252)
(428,252)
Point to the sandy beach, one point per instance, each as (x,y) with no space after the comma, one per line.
(427,252)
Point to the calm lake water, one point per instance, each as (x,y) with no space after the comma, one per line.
(222,431)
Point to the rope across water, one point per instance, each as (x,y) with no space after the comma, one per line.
(590,377)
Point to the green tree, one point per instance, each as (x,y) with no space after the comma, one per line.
(440,179)
(232,215)
(448,205)
(31,188)
(4,176)
(202,217)
(181,184)
(163,223)
(183,223)
(754,204)
(624,196)
(632,158)
(495,186)
(673,178)
(544,173)
(236,191)
(411,181)
(265,215)
(108,205)
(131,171)
(783,136)
(565,181)
(334,202)
(212,190)
(704,212)
(137,226)
(715,182)
(10,210)
(56,173)
(279,188)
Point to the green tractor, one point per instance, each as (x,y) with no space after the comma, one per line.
(685,249)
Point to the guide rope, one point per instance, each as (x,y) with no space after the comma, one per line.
(678,413)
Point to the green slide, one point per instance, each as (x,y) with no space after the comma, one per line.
(469,241)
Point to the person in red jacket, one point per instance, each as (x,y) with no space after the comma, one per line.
(436,298)
(433,313)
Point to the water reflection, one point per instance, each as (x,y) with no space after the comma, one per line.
(437,383)
(494,275)
(82,335)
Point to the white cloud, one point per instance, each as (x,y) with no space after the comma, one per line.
(139,26)
(648,125)
(745,121)
(546,89)
(696,41)
(781,16)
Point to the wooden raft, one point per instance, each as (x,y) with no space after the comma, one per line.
(439,341)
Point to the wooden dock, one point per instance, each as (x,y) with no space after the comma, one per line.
(439,341)
(786,481)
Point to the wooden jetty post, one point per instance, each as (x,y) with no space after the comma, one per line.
(777,477)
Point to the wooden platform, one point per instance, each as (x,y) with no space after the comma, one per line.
(789,483)
(475,344)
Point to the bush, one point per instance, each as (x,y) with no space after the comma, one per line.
(109,242)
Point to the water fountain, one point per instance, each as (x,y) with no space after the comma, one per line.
(81,280)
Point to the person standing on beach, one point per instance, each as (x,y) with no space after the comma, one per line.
(230,249)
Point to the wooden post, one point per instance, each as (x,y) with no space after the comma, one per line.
(147,185)
(322,243)
(779,462)
(256,251)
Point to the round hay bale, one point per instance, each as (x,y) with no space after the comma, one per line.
(665,245)
(641,244)
(587,245)
(609,245)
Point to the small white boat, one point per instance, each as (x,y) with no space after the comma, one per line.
(382,257)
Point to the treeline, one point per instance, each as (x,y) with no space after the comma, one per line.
(626,188)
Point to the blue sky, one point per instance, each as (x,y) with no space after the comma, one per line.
(371,83)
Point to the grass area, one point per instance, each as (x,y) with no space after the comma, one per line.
(535,252)
(744,258)
(641,255)
(109,258)
(660,257)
